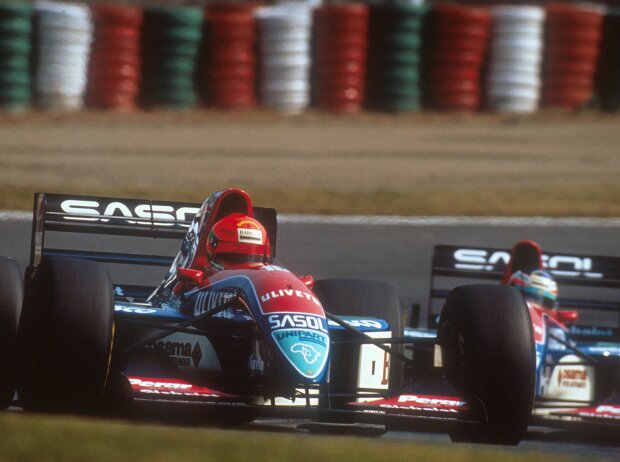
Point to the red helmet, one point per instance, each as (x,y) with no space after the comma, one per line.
(237,240)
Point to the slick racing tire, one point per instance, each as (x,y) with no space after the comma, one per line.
(354,297)
(10,308)
(488,354)
(66,336)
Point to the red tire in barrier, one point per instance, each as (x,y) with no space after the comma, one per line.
(573,35)
(115,65)
(341,42)
(229,72)
(460,41)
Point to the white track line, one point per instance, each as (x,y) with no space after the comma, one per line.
(585,222)
(380,220)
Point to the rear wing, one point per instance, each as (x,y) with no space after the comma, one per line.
(118,217)
(569,270)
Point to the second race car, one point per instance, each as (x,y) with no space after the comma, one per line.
(577,339)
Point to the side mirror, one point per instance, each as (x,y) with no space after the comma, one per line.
(190,275)
(567,316)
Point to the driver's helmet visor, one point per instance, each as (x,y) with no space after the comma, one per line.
(232,254)
(536,288)
(539,296)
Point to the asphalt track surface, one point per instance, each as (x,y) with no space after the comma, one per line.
(397,251)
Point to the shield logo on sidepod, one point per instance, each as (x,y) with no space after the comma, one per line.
(305,349)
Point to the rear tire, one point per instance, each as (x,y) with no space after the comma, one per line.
(11,293)
(488,353)
(66,336)
(354,297)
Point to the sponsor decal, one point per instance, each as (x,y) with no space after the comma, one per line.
(250,236)
(558,265)
(305,349)
(592,331)
(161,215)
(248,224)
(270,296)
(420,333)
(364,324)
(605,350)
(279,321)
(568,382)
(207,300)
(134,309)
(275,268)
(423,403)
(602,411)
(183,354)
(573,378)
(609,409)
(172,387)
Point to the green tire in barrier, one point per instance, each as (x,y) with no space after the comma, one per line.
(176,82)
(16,63)
(173,42)
(406,59)
(398,40)
(402,74)
(18,78)
(14,46)
(406,24)
(15,93)
(176,65)
(403,41)
(180,99)
(15,27)
(404,91)
(178,16)
(181,35)
(15,9)
(169,50)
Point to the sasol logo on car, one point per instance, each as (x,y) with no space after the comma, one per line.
(559,265)
(280,321)
(92,211)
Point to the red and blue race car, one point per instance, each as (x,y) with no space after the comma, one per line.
(246,341)
(577,341)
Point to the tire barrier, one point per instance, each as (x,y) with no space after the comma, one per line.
(284,51)
(115,65)
(171,43)
(395,57)
(608,80)
(460,38)
(341,43)
(65,32)
(513,80)
(392,56)
(15,48)
(229,73)
(573,35)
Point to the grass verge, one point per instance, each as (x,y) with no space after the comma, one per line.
(27,438)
